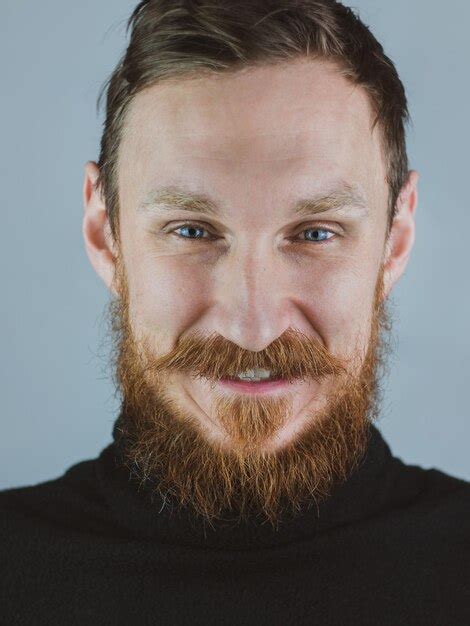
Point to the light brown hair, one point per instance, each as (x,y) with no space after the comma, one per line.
(173,39)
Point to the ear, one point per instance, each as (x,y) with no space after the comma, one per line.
(99,243)
(402,233)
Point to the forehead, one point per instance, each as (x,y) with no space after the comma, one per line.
(301,116)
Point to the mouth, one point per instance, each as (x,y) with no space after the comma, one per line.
(254,387)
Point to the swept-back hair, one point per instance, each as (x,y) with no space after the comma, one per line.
(182,38)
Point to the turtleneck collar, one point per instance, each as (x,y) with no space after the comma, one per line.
(376,484)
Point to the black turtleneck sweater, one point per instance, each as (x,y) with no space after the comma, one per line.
(391,546)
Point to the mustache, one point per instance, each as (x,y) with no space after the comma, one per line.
(292,356)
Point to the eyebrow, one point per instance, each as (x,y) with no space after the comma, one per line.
(171,198)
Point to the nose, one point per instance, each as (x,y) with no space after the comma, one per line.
(252,304)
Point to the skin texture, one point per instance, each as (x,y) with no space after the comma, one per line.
(255,142)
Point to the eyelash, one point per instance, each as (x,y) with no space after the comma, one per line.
(195,225)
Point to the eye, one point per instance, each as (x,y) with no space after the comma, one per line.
(318,234)
(192,230)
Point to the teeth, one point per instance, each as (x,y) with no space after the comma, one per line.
(255,374)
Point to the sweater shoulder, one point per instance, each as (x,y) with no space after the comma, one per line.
(70,501)
(437,484)
(437,495)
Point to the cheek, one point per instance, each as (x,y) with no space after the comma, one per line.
(169,295)
(165,294)
(338,300)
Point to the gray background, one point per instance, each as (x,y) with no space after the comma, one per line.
(58,404)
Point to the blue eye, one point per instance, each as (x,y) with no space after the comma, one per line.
(193,232)
(318,234)
(192,229)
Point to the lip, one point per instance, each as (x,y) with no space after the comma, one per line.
(253,387)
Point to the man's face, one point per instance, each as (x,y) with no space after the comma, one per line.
(204,296)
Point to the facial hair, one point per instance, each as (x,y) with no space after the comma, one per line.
(168,452)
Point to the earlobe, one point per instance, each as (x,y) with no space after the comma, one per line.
(96,228)
(401,238)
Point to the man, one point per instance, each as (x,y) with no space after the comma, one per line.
(250,213)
